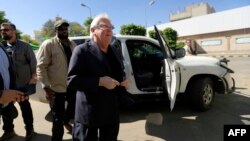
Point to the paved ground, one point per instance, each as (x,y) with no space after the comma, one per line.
(42,123)
(228,54)
(43,126)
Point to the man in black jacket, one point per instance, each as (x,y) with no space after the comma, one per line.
(96,72)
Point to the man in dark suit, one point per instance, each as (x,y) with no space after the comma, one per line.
(96,72)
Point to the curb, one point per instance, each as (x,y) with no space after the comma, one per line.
(226,55)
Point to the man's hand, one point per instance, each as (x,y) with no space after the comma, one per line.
(12,96)
(108,82)
(125,83)
(33,80)
(50,94)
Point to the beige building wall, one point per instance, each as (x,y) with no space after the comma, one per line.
(228,30)
(238,40)
(202,9)
(240,46)
(192,11)
(221,46)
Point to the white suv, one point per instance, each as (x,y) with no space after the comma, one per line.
(154,69)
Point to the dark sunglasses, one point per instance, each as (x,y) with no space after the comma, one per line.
(62,28)
(4,30)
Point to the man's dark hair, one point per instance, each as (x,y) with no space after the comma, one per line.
(10,24)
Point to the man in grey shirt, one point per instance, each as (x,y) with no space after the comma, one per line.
(7,82)
(24,63)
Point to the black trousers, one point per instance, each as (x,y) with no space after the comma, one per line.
(70,109)
(27,115)
(83,132)
(57,106)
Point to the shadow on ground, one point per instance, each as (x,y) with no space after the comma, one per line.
(37,137)
(186,124)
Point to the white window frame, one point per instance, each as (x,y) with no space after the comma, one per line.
(242,40)
(216,42)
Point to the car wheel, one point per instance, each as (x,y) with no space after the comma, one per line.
(202,94)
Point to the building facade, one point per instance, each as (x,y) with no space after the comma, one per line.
(215,32)
(192,11)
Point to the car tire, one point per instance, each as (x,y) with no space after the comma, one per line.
(202,94)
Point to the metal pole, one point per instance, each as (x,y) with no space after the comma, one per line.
(83,5)
(146,18)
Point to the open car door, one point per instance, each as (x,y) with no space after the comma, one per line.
(169,71)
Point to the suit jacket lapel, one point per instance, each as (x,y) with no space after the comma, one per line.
(118,54)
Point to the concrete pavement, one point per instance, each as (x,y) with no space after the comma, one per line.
(41,125)
(227,54)
(128,131)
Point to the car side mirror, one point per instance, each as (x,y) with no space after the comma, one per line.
(180,52)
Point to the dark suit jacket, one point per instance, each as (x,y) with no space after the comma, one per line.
(95,106)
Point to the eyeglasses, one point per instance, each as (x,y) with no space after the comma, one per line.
(5,30)
(103,26)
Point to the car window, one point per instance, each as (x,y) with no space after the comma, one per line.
(79,41)
(140,49)
(146,59)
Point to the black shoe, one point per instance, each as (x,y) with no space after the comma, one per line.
(68,127)
(29,135)
(7,136)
